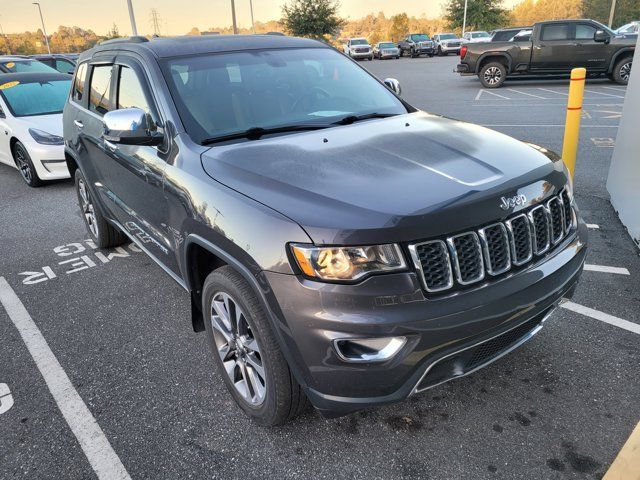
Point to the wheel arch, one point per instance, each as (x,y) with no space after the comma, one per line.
(487,57)
(72,162)
(12,143)
(623,53)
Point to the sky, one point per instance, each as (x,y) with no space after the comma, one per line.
(179,16)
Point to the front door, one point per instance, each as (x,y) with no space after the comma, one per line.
(589,54)
(136,173)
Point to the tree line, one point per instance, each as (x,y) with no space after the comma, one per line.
(320,19)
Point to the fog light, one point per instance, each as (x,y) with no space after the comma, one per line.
(368,349)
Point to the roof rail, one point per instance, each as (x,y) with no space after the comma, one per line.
(135,39)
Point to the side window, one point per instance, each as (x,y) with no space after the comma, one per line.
(79,83)
(585,32)
(100,97)
(558,31)
(130,92)
(64,66)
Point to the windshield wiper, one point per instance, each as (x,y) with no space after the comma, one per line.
(348,120)
(256,133)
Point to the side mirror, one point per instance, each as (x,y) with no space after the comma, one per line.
(600,36)
(393,85)
(130,126)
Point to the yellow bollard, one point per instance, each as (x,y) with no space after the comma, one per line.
(574,115)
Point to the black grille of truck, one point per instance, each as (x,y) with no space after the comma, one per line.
(467,258)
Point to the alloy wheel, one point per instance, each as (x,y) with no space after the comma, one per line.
(492,75)
(23,164)
(238,348)
(625,71)
(88,210)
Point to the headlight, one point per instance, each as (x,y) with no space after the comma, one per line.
(347,263)
(45,138)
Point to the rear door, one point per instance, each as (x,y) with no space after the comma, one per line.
(589,53)
(553,48)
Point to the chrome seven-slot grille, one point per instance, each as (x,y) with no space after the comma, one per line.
(493,250)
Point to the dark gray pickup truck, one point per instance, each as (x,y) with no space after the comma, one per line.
(554,48)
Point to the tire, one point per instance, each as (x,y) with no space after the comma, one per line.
(412,53)
(397,57)
(371,58)
(622,70)
(439,51)
(103,234)
(249,350)
(492,75)
(25,166)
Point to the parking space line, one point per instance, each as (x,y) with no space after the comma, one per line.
(626,466)
(593,226)
(525,93)
(605,94)
(617,89)
(603,317)
(606,269)
(91,438)
(553,91)
(491,93)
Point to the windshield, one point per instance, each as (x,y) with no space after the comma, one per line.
(420,38)
(448,36)
(222,94)
(359,42)
(25,99)
(26,66)
(388,45)
(479,35)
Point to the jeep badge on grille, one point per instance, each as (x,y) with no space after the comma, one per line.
(507,203)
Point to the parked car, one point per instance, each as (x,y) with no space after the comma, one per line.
(19,64)
(555,47)
(61,63)
(31,120)
(476,37)
(416,44)
(338,245)
(446,43)
(506,34)
(358,49)
(386,50)
(629,28)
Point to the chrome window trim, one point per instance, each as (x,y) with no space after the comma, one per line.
(535,233)
(418,265)
(512,242)
(487,254)
(456,263)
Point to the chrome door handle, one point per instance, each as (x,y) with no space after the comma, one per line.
(78,124)
(111,146)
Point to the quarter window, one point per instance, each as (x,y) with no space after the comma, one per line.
(78,83)
(100,98)
(64,66)
(559,31)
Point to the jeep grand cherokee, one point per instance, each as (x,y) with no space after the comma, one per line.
(338,245)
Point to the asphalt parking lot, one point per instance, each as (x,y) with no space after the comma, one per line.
(560,407)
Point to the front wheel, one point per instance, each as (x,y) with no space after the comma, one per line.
(492,75)
(622,71)
(25,165)
(246,352)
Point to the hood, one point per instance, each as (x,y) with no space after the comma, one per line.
(403,178)
(48,123)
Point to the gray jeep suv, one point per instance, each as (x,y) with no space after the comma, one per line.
(338,245)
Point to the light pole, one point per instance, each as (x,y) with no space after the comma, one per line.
(253,25)
(233,17)
(132,18)
(44,30)
(464,18)
(612,13)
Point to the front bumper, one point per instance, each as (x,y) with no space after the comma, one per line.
(361,55)
(48,160)
(449,49)
(314,314)
(425,51)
